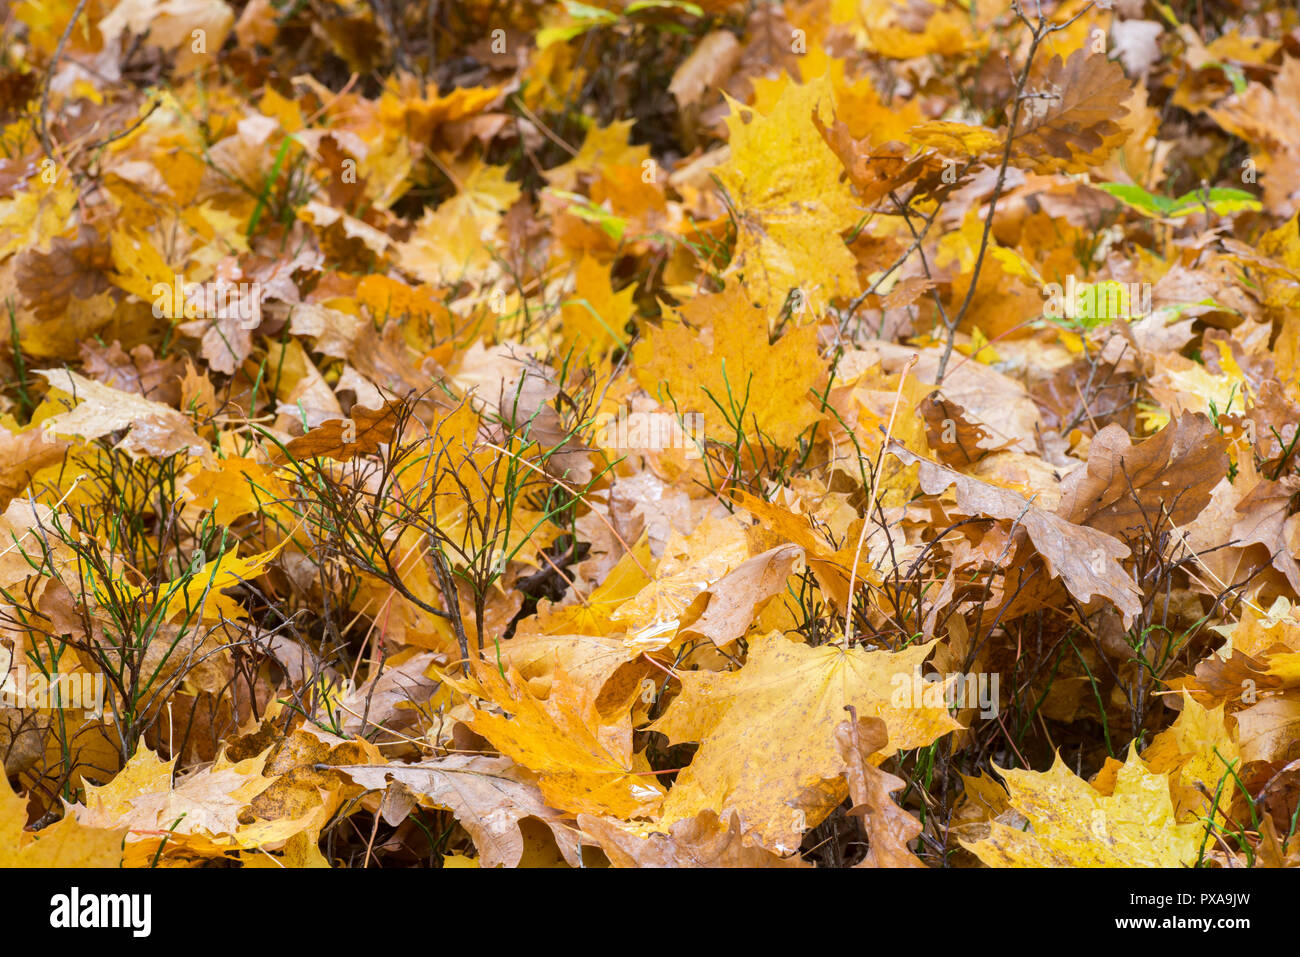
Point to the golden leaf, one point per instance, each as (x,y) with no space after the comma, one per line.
(67,843)
(716,360)
(767,732)
(784,182)
(1072,824)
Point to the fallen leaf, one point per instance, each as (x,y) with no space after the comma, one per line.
(151,427)
(767,732)
(1071,824)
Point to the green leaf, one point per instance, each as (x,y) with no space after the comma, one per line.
(638,5)
(1221,201)
(583,208)
(584,11)
(1138,198)
(584,17)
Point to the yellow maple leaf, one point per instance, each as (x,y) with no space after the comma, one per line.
(241,486)
(593,615)
(385,297)
(1260,631)
(875,405)
(1184,384)
(878,26)
(863,110)
(448,248)
(785,185)
(145,773)
(716,361)
(584,762)
(834,567)
(300,851)
(140,267)
(767,731)
(602,146)
(67,843)
(955,139)
(481,190)
(407,113)
(689,565)
(208,813)
(593,320)
(1196,751)
(1072,824)
(454,242)
(35,215)
(867,114)
(197,595)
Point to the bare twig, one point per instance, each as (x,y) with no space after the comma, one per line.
(1040,31)
(44,127)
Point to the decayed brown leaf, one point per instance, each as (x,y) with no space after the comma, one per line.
(344,439)
(22,455)
(700,841)
(1086,560)
(72,269)
(1079,100)
(956,438)
(1124,486)
(889,828)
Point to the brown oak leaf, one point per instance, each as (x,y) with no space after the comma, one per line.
(1074,114)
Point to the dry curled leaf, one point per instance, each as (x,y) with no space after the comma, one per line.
(1085,559)
(1125,486)
(151,427)
(489,796)
(701,841)
(889,828)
